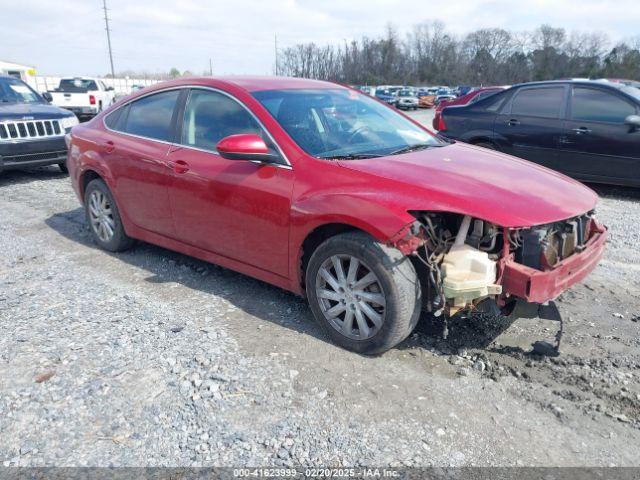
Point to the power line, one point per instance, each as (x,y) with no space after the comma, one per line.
(106,22)
(276,49)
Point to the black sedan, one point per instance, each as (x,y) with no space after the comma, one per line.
(589,130)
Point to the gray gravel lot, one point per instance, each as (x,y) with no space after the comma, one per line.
(149,357)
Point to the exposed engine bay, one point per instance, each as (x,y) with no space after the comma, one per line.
(465,258)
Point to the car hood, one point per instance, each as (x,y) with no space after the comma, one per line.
(31,111)
(492,186)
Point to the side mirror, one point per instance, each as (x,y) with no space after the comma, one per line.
(245,146)
(633,121)
(47,96)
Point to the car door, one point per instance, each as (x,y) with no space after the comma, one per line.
(235,208)
(530,124)
(597,144)
(136,152)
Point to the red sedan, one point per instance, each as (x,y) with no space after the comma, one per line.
(471,97)
(331,194)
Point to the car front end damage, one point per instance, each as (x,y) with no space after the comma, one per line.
(469,264)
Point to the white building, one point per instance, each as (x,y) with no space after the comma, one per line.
(23,72)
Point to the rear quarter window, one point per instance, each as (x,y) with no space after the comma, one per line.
(490,103)
(115,120)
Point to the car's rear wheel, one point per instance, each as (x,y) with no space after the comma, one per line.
(103,218)
(365,294)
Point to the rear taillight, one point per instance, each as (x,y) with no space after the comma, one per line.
(92,100)
(441,124)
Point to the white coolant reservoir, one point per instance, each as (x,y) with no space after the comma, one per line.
(468,274)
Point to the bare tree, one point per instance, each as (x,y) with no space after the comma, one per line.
(431,55)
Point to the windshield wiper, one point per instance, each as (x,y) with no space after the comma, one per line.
(412,148)
(351,156)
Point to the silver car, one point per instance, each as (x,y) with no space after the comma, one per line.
(407,100)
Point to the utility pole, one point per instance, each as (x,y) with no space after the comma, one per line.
(276,50)
(106,22)
(210,67)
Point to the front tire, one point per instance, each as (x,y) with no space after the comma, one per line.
(365,294)
(63,167)
(104,219)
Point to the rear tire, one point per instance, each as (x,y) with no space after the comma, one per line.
(103,218)
(360,314)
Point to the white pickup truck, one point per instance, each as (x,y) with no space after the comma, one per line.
(84,96)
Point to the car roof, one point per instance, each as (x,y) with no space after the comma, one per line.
(572,82)
(256,83)
(247,83)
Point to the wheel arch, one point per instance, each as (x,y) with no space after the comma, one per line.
(314,239)
(85,178)
(484,139)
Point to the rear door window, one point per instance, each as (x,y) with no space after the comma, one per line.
(596,105)
(538,102)
(152,116)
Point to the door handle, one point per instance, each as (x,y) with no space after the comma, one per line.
(179,166)
(513,122)
(581,130)
(109,146)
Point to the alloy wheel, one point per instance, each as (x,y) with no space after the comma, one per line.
(350,296)
(101,216)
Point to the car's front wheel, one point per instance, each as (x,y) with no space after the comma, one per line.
(365,294)
(103,218)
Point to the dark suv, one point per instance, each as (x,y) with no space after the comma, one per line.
(589,130)
(31,131)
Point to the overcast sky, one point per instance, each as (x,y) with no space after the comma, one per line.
(67,36)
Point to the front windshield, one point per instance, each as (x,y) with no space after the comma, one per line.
(13,90)
(343,123)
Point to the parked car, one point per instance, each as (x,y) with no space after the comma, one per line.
(629,83)
(407,100)
(31,131)
(463,90)
(326,192)
(426,100)
(387,96)
(368,90)
(588,130)
(443,94)
(84,96)
(471,97)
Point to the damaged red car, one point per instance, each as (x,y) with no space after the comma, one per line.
(328,193)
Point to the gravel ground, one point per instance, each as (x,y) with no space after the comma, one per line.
(153,358)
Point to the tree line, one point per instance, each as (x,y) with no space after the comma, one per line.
(430,55)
